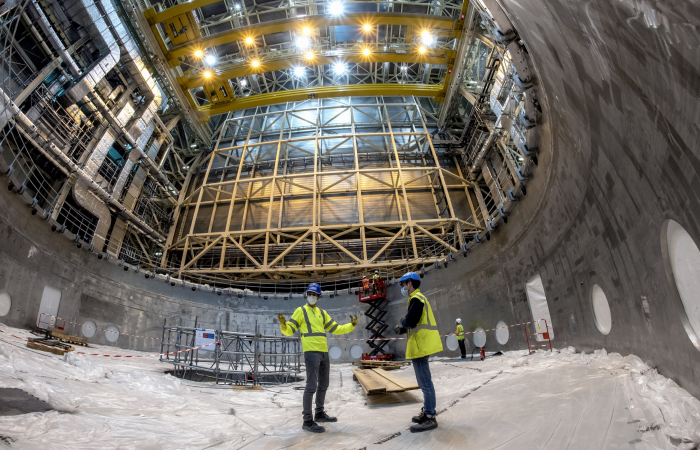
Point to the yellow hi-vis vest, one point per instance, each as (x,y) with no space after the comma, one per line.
(460,332)
(424,339)
(313,324)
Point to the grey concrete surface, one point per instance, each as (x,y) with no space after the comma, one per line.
(619,84)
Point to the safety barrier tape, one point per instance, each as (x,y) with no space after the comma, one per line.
(113,356)
(442,335)
(339,339)
(106,331)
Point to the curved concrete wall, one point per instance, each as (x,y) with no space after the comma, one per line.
(619,87)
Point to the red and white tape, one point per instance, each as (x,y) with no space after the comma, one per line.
(106,331)
(113,356)
(442,335)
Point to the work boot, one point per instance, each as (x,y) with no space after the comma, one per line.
(430,423)
(420,417)
(463,358)
(323,417)
(310,425)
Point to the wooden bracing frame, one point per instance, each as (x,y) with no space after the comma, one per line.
(307,157)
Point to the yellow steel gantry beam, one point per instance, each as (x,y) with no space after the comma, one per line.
(438,26)
(297,95)
(153,17)
(445,57)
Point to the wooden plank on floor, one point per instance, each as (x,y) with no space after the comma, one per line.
(401,382)
(389,385)
(369,384)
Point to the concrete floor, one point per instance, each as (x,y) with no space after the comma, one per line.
(563,400)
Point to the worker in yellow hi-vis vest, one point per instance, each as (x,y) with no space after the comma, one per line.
(423,341)
(313,323)
(460,339)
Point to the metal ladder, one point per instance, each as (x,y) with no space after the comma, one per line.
(376,326)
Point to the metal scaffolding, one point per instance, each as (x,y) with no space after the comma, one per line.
(238,358)
(338,186)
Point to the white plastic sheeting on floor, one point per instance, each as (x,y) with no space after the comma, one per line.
(560,400)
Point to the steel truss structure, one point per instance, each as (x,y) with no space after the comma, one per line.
(239,359)
(329,187)
(291,50)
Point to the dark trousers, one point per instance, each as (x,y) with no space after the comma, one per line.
(462,348)
(318,370)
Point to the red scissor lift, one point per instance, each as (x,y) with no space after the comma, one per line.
(375,296)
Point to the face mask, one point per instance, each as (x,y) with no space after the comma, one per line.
(312,299)
(404,292)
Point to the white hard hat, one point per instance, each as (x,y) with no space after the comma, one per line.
(459,320)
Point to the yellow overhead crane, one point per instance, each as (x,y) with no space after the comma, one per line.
(183,31)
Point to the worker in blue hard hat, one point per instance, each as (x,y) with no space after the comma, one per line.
(423,341)
(313,323)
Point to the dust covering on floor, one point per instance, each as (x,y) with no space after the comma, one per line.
(560,400)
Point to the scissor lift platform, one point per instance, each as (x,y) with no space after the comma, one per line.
(375,296)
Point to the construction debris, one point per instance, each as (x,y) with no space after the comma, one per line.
(50,345)
(378,381)
(63,337)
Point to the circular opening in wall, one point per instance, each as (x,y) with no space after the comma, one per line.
(335,352)
(5,303)
(451,342)
(601,309)
(112,333)
(502,333)
(89,328)
(356,351)
(479,338)
(682,260)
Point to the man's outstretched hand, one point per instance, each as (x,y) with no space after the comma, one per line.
(283,321)
(399,330)
(353,320)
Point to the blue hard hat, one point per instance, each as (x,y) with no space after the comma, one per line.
(315,288)
(410,276)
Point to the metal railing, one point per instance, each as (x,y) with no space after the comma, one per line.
(232,357)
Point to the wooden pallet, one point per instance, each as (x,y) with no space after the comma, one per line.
(385,365)
(47,345)
(378,381)
(63,337)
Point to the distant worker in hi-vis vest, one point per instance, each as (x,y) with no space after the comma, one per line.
(460,339)
(423,341)
(313,323)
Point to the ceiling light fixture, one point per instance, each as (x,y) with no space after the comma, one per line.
(366,52)
(339,68)
(310,55)
(306,31)
(299,72)
(367,27)
(210,59)
(303,43)
(421,50)
(249,40)
(207,74)
(244,83)
(255,63)
(198,53)
(237,6)
(335,8)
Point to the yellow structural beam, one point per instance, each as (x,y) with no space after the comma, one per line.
(297,95)
(153,17)
(441,57)
(437,25)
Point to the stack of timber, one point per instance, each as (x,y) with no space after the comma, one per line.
(385,365)
(378,381)
(49,345)
(63,337)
